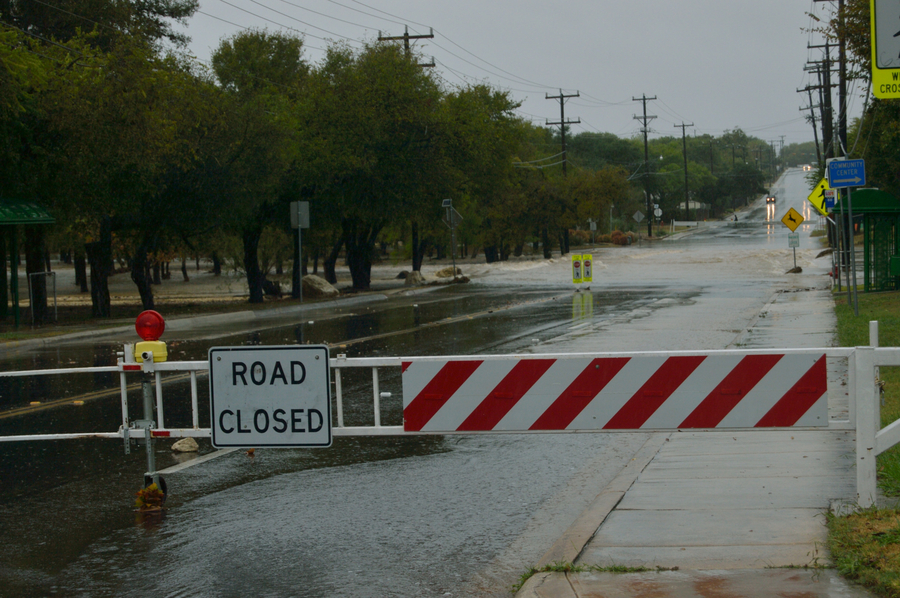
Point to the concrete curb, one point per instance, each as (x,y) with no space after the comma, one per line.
(567,548)
(187,323)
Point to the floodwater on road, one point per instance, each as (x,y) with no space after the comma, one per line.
(403,516)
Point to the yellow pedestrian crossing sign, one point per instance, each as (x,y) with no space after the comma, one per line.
(817,197)
(792,219)
(885,48)
(576,268)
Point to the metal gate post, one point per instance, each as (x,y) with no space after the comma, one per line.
(867,425)
(147,376)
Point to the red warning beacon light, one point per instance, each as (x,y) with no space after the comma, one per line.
(150,326)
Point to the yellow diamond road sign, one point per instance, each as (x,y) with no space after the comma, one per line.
(792,219)
(885,48)
(817,197)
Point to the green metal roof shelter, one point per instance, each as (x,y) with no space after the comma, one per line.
(880,213)
(15,213)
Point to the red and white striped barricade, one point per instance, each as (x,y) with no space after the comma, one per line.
(647,391)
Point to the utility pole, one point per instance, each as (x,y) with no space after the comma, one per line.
(687,206)
(842,80)
(563,122)
(823,69)
(406,37)
(812,119)
(645,120)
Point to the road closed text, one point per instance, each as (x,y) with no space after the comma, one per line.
(297,421)
(260,375)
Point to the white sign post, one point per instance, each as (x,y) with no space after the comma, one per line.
(277,397)
(300,220)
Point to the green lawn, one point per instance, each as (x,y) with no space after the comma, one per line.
(865,547)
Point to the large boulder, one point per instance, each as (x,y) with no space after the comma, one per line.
(415,278)
(316,286)
(186,445)
(447,272)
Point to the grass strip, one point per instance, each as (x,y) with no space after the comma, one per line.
(865,546)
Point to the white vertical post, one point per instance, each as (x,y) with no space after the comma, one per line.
(873,342)
(867,426)
(123,385)
(376,399)
(195,414)
(851,387)
(159,404)
(339,397)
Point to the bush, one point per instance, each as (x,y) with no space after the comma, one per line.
(579,237)
(604,239)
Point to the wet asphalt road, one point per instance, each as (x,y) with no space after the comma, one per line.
(431,516)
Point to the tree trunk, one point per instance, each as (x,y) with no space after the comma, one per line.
(99,254)
(80,270)
(34,264)
(328,264)
(545,241)
(184,274)
(490,254)
(360,242)
(217,264)
(418,251)
(255,276)
(4,276)
(140,275)
(157,274)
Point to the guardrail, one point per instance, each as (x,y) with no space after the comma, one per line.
(863,393)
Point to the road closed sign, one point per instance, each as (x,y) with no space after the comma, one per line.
(277,397)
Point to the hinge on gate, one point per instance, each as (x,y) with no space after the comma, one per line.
(138,430)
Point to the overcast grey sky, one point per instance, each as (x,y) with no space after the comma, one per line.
(718,64)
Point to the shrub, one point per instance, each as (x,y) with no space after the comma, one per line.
(579,237)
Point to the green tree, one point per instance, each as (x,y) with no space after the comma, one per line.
(62,20)
(374,119)
(264,76)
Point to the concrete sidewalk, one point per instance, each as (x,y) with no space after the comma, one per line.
(721,513)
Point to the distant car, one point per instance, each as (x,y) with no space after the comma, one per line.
(770,199)
(807,167)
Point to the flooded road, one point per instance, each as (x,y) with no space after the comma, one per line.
(411,516)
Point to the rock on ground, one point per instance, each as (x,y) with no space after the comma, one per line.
(447,272)
(316,286)
(186,445)
(415,278)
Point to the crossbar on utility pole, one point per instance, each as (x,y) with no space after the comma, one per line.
(563,122)
(405,38)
